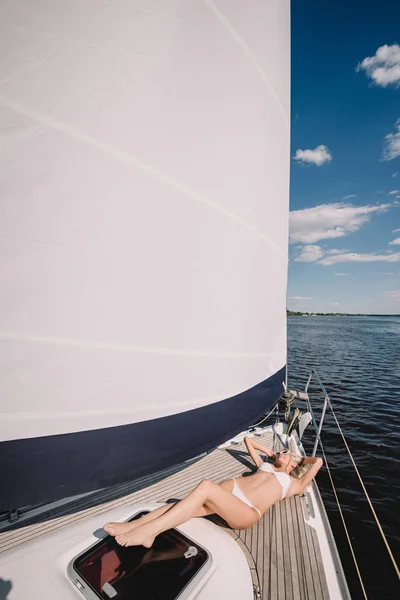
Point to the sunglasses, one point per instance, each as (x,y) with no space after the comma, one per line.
(282,452)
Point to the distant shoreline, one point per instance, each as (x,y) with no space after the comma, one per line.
(293,313)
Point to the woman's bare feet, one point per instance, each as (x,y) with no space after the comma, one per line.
(114,529)
(140,536)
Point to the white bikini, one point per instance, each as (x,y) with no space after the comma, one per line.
(239,494)
(283,478)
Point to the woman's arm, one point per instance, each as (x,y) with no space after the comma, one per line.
(252,446)
(298,485)
(311,460)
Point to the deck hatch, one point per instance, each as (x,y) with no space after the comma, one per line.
(166,571)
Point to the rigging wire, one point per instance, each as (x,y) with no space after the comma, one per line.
(344,523)
(265,418)
(366,493)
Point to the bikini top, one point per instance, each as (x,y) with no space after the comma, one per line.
(284,479)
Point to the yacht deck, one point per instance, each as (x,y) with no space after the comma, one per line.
(282,549)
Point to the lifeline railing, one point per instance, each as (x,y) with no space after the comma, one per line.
(318,429)
(326,401)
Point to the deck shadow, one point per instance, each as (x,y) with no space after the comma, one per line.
(5,588)
(242,458)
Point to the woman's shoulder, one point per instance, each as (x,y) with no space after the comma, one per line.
(266,466)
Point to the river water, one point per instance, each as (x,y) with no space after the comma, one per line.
(358,360)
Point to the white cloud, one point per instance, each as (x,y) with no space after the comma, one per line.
(300,298)
(349,196)
(310,254)
(391,147)
(318,156)
(340,274)
(396,241)
(388,273)
(329,221)
(396,202)
(395,174)
(353,257)
(393,192)
(336,303)
(395,230)
(395,295)
(384,67)
(335,251)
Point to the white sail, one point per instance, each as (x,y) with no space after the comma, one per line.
(144,212)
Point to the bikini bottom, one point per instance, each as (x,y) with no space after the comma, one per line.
(239,494)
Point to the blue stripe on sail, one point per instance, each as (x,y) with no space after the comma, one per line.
(38,470)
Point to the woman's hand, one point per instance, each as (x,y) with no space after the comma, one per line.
(268,451)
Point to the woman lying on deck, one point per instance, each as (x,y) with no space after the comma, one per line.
(240,502)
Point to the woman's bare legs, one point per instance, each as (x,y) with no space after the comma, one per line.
(207,493)
(119,528)
(114,528)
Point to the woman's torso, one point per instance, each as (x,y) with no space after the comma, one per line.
(262,488)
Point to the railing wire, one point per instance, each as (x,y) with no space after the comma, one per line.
(327,401)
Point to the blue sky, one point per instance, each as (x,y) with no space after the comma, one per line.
(345,148)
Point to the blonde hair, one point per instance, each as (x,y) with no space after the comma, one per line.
(301,467)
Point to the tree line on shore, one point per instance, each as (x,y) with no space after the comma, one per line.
(297,313)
